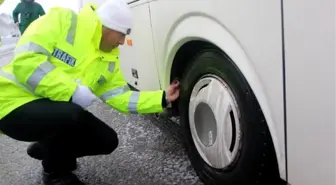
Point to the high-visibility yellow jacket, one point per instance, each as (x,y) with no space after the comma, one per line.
(60,50)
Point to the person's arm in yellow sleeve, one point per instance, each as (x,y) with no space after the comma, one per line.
(116,93)
(31,65)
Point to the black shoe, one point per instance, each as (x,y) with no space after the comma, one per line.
(39,152)
(67,178)
(59,165)
(36,151)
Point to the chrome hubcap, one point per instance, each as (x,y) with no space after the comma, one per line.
(214,122)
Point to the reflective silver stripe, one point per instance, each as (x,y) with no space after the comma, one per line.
(111,66)
(72,30)
(114,92)
(132,104)
(40,72)
(33,47)
(12,78)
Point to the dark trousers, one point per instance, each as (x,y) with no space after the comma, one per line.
(64,130)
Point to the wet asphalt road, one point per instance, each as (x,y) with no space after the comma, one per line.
(146,155)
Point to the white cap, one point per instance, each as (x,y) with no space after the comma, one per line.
(116,15)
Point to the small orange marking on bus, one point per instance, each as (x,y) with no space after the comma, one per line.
(129,42)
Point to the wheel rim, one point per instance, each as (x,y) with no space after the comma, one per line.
(214,122)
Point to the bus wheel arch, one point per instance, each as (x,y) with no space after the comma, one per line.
(185,55)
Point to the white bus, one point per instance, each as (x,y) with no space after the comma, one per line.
(258,84)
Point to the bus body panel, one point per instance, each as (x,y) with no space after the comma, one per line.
(310,77)
(248,31)
(137,55)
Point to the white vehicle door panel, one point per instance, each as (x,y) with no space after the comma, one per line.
(310,76)
(140,56)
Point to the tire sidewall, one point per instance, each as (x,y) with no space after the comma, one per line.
(216,63)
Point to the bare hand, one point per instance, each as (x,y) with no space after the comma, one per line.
(173,91)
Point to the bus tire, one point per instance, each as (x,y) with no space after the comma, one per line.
(255,162)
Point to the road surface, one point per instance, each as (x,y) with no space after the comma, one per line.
(146,155)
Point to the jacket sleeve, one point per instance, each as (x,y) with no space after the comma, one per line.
(31,65)
(117,94)
(16,13)
(41,10)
